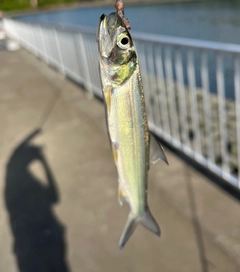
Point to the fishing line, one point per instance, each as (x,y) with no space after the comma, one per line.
(48,110)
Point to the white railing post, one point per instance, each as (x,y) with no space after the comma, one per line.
(222,114)
(62,70)
(164,67)
(171,99)
(237,109)
(87,82)
(182,101)
(44,46)
(162,97)
(207,109)
(194,105)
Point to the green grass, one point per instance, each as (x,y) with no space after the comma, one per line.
(43,3)
(9,5)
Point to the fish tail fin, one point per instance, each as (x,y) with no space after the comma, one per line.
(128,230)
(147,220)
(150,223)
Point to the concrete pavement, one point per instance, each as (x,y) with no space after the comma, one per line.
(58,205)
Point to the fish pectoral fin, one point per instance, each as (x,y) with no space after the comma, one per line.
(156,152)
(122,196)
(107,96)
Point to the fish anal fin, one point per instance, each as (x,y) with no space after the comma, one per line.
(156,152)
(122,196)
(114,151)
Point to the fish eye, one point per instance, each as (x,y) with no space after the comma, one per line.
(123,41)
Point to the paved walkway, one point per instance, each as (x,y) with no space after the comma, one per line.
(58,185)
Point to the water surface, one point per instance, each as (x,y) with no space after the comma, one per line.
(214,20)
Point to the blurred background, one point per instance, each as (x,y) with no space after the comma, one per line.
(58,180)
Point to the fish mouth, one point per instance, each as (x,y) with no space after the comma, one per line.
(108,29)
(102,17)
(102,24)
(104,39)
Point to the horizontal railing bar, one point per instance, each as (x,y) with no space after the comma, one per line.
(61,27)
(154,38)
(186,42)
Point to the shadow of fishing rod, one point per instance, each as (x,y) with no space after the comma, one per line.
(196,224)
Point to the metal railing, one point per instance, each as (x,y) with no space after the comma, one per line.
(192,88)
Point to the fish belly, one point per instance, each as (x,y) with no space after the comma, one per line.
(127,129)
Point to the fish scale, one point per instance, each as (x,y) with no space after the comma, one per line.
(131,146)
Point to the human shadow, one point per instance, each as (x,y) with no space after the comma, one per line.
(39,243)
(2,46)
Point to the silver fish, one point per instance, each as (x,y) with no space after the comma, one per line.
(127,121)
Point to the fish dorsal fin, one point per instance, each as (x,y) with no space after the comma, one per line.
(156,152)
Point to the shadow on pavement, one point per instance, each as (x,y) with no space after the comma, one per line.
(39,243)
(2,46)
(225,186)
(196,224)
